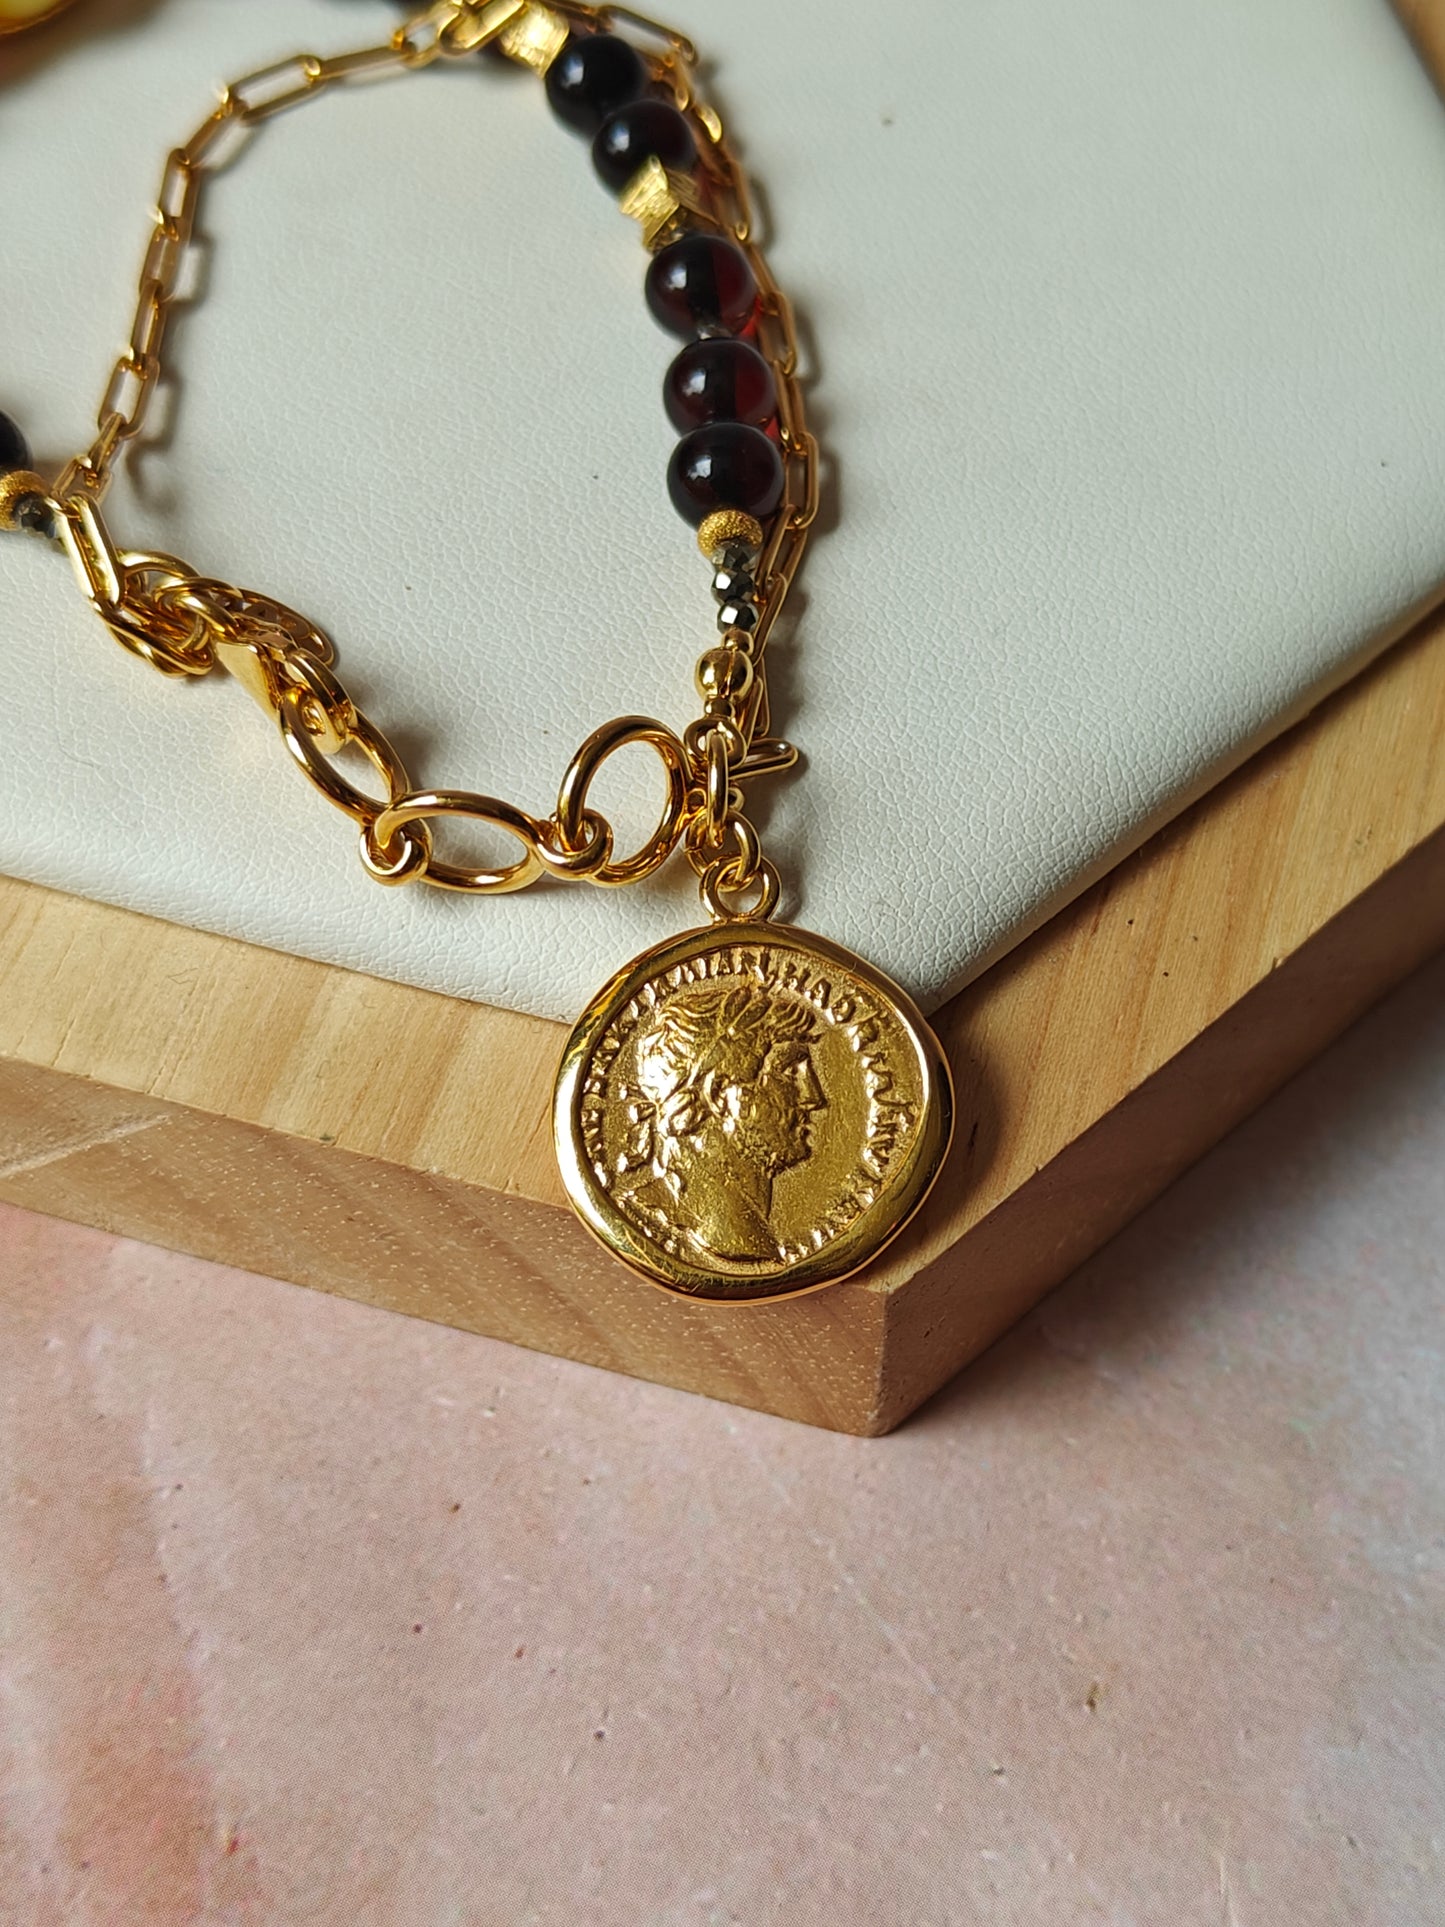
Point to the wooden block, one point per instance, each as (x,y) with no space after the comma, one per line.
(393,1145)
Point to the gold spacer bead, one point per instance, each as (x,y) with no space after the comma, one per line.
(20,485)
(727,526)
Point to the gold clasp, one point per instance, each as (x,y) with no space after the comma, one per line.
(254,668)
(273,673)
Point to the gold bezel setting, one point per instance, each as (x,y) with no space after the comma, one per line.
(866,1014)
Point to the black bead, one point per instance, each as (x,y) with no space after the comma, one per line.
(701,282)
(726,465)
(14,449)
(719,381)
(594,75)
(645,130)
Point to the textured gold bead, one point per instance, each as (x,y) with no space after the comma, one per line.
(535,38)
(723,674)
(20,485)
(663,203)
(725,527)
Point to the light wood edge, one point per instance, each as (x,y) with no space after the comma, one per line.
(405,1240)
(955,1307)
(277,1041)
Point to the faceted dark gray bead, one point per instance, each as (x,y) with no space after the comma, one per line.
(738,615)
(33,515)
(734,585)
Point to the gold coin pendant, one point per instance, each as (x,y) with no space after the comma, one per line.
(749,1112)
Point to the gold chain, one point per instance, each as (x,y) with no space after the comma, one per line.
(185,624)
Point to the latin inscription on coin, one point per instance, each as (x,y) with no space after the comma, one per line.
(749,1112)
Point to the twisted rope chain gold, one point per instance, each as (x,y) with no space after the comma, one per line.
(185,624)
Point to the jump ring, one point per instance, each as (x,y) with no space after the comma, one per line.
(707,849)
(403,810)
(594,855)
(716,884)
(572,796)
(406,856)
(695,738)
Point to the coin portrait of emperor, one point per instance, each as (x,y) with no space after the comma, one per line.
(722,1101)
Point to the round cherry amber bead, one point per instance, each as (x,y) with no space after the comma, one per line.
(701,282)
(646,130)
(594,75)
(14,449)
(725,465)
(720,380)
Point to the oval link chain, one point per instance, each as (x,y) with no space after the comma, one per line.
(185,624)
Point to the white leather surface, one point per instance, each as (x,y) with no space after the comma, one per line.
(1131,368)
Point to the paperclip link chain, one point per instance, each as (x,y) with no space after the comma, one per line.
(186,624)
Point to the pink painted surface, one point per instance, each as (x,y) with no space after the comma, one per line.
(315,1615)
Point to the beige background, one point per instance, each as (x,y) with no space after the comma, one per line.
(314,1614)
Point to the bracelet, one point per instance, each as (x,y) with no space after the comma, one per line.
(747,1111)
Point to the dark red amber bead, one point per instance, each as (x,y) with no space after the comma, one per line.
(14,449)
(720,380)
(594,75)
(726,465)
(701,282)
(647,129)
